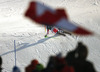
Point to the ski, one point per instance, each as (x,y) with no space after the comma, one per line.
(61,34)
(67,33)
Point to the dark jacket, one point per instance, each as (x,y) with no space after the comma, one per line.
(79,64)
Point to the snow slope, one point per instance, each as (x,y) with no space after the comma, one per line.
(29,36)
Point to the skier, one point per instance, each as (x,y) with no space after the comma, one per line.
(54,30)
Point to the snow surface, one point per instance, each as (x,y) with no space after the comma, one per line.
(29,36)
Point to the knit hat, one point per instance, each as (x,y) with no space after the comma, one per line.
(34,62)
(39,67)
(16,69)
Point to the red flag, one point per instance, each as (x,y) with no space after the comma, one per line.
(56,17)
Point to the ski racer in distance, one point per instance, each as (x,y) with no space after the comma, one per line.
(54,30)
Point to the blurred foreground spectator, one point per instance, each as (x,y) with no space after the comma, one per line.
(0,64)
(16,69)
(39,68)
(31,67)
(77,59)
(58,64)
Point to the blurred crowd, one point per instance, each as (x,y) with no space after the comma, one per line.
(74,61)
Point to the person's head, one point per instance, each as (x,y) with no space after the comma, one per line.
(59,55)
(16,69)
(34,62)
(82,51)
(51,62)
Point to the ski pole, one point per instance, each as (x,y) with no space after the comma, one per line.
(15,51)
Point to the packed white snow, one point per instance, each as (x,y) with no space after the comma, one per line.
(29,36)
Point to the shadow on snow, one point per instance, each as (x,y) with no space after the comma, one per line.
(26,45)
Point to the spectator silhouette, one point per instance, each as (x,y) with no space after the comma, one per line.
(61,65)
(51,64)
(0,64)
(77,59)
(58,64)
(39,68)
(16,69)
(31,67)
